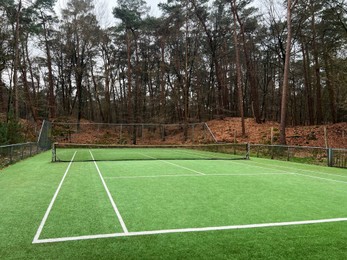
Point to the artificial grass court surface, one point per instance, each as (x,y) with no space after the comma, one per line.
(170,195)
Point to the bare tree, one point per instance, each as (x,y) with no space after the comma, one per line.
(238,68)
(290,7)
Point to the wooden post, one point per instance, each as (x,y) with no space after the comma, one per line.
(325,137)
(204,132)
(162,128)
(272,135)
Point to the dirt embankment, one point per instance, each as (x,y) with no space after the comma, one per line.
(225,130)
(229,129)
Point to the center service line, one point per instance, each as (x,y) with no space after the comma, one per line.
(121,221)
(179,166)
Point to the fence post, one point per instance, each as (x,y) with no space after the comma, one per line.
(248,150)
(326,137)
(11,151)
(330,157)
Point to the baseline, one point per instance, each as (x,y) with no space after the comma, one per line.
(190,230)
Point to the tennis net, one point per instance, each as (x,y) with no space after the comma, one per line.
(64,152)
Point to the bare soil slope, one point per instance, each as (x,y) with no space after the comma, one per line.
(230,128)
(225,130)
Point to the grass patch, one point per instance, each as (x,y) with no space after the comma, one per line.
(277,191)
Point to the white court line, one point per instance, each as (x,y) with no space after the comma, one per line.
(199,154)
(300,174)
(285,171)
(320,178)
(119,216)
(201,173)
(190,175)
(290,172)
(189,230)
(304,170)
(43,221)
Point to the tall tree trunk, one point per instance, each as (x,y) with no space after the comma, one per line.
(129,72)
(137,89)
(318,87)
(162,102)
(2,96)
(331,89)
(96,93)
(308,84)
(79,100)
(92,111)
(251,73)
(26,83)
(16,61)
(238,69)
(108,116)
(51,95)
(285,87)
(186,81)
(214,57)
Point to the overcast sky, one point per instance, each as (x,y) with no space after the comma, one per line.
(104,9)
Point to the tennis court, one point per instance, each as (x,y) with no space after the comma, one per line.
(192,204)
(147,191)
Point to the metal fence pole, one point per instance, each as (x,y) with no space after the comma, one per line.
(11,151)
(330,157)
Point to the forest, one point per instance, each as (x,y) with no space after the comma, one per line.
(197,61)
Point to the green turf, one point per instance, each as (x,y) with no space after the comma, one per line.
(154,195)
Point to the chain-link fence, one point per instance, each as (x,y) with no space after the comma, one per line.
(99,133)
(44,140)
(337,157)
(303,154)
(16,152)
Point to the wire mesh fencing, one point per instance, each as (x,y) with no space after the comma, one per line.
(303,154)
(15,152)
(337,157)
(101,133)
(44,139)
(12,153)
